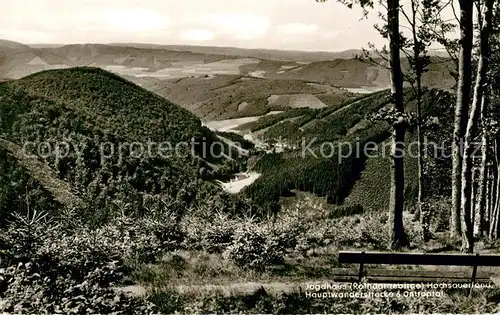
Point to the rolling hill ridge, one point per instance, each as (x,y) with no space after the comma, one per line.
(81,123)
(220,83)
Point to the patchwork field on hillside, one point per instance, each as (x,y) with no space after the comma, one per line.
(220,85)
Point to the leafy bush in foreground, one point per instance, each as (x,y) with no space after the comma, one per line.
(37,287)
(255,249)
(46,267)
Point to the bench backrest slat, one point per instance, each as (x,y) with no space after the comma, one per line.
(391,258)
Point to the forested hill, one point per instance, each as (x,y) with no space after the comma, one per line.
(113,104)
(343,172)
(93,117)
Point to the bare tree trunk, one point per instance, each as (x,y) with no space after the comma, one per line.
(472,127)
(489,195)
(486,27)
(493,224)
(496,226)
(480,205)
(466,202)
(396,205)
(495,218)
(493,192)
(493,229)
(473,191)
(461,111)
(417,49)
(493,185)
(496,205)
(423,209)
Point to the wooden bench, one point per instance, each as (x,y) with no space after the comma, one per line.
(398,275)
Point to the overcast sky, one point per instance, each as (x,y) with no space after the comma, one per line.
(277,24)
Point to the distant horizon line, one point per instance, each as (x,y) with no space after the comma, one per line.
(191,45)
